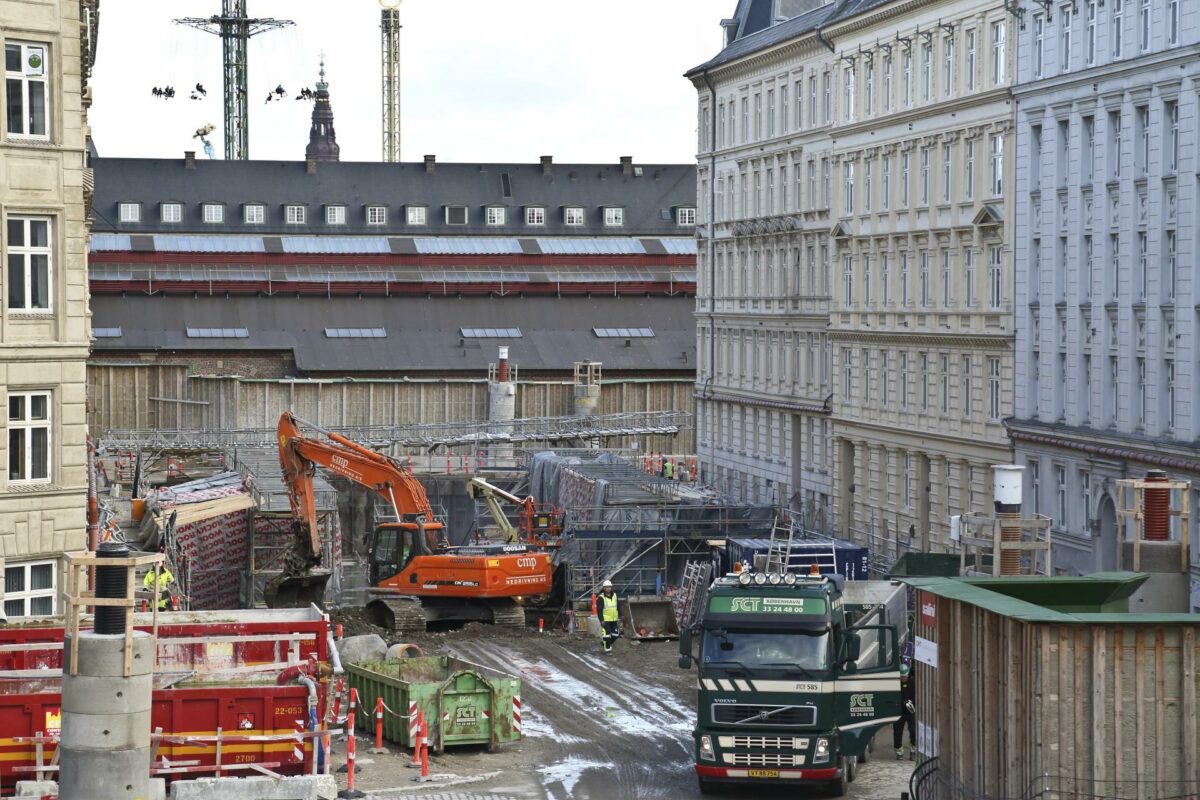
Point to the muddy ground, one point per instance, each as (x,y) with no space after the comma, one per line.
(596,726)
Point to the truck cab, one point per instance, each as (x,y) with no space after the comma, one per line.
(796,673)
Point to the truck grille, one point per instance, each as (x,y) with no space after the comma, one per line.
(763,760)
(762,742)
(779,716)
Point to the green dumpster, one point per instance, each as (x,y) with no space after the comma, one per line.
(463,703)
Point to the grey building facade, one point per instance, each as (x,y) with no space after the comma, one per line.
(1106,253)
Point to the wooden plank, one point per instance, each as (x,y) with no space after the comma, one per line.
(1140,732)
(1046,707)
(1063,701)
(1099,708)
(1187,674)
(1160,702)
(1118,703)
(1079,722)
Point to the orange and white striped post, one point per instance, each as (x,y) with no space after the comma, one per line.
(424,776)
(350,749)
(414,732)
(337,701)
(378,748)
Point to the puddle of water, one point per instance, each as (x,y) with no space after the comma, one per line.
(568,772)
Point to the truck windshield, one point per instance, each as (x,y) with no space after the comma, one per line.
(806,649)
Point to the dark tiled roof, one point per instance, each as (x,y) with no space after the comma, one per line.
(822,16)
(761,40)
(649,200)
(423,335)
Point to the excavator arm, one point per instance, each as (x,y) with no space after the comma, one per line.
(299,456)
(492,495)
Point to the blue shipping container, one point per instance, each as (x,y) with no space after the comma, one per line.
(848,560)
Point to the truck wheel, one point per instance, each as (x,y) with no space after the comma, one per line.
(839,786)
(866,756)
(851,769)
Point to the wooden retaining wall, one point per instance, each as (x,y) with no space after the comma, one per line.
(1018,709)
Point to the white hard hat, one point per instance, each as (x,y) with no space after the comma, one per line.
(606,585)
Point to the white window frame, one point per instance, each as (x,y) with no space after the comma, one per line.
(28,594)
(927,72)
(996,277)
(948,64)
(614,216)
(685,216)
(25,423)
(1066,21)
(416,215)
(128,211)
(335,215)
(1039,45)
(377,215)
(1172,21)
(170,213)
(495,215)
(1090,40)
(535,215)
(1144,26)
(997,164)
(28,77)
(254,214)
(215,218)
(993,389)
(999,58)
(27,253)
(466,215)
(574,216)
(1118,28)
(295,214)
(972,44)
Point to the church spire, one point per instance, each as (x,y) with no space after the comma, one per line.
(322,141)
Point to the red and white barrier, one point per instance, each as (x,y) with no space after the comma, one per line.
(516,723)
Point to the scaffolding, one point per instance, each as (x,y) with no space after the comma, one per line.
(430,436)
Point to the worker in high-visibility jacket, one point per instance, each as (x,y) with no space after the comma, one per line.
(165,579)
(610,618)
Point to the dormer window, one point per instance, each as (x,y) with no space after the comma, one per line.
(254,213)
(573,216)
(294,214)
(171,212)
(213,213)
(129,212)
(415,215)
(496,215)
(456,215)
(614,216)
(535,215)
(335,215)
(685,215)
(377,215)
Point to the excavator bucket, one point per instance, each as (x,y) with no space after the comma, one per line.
(297,591)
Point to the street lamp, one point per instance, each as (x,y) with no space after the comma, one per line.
(390,26)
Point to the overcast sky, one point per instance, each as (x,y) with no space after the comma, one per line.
(483,80)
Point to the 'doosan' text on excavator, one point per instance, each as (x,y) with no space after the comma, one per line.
(416,577)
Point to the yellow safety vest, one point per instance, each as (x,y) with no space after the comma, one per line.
(165,578)
(609,612)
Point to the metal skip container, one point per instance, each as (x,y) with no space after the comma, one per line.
(463,703)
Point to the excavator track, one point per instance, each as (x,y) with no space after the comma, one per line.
(507,614)
(405,616)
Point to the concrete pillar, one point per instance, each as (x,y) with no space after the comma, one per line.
(106,719)
(502,403)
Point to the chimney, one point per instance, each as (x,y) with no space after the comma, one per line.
(189,159)
(627,165)
(430,164)
(310,164)
(547,165)
(502,367)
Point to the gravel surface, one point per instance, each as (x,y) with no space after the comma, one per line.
(596,726)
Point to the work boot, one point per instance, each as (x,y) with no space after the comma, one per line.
(899,753)
(912,753)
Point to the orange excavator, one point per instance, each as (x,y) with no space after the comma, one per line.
(416,577)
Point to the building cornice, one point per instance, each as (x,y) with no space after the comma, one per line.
(1177,56)
(1158,453)
(1002,341)
(972,129)
(899,436)
(761,401)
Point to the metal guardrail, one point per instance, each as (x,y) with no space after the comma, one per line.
(432,436)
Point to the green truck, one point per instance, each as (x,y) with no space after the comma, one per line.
(796,675)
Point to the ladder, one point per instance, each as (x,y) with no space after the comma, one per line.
(782,555)
(693,594)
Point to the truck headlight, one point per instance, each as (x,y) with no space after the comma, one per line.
(706,749)
(822,754)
